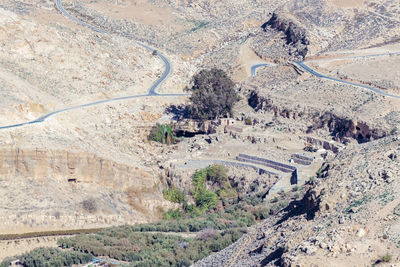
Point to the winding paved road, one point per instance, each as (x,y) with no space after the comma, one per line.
(304,66)
(166,73)
(151,92)
(253,68)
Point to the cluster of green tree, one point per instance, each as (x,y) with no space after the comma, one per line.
(162,134)
(213,95)
(216,205)
(47,257)
(147,249)
(205,199)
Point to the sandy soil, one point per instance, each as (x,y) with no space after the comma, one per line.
(245,60)
(347,3)
(136,10)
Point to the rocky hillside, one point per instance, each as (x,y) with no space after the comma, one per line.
(96,167)
(348,216)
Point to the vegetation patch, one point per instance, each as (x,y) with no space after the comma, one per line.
(199,25)
(396,210)
(357,203)
(145,249)
(214,208)
(173,194)
(386,198)
(50,257)
(384,259)
(162,133)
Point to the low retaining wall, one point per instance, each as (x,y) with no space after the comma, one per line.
(301,159)
(272,164)
(269,163)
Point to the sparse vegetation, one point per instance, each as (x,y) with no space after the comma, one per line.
(89,205)
(162,134)
(213,95)
(248,121)
(396,210)
(385,258)
(6,262)
(173,194)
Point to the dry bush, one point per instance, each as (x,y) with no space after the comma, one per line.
(89,205)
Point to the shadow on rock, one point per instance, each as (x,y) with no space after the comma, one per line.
(179,112)
(308,205)
(274,256)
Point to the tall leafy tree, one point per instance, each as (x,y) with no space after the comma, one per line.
(213,95)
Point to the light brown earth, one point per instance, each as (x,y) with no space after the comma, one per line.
(49,62)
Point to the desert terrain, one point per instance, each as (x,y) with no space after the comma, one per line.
(83,83)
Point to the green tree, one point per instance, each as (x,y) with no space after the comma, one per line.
(213,95)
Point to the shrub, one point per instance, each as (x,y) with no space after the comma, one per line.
(386,258)
(6,262)
(311,180)
(275,199)
(89,205)
(248,121)
(261,214)
(173,214)
(173,194)
(213,95)
(162,134)
(205,199)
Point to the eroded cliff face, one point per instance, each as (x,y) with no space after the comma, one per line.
(54,190)
(64,165)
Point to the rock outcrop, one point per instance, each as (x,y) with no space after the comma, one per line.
(295,35)
(339,127)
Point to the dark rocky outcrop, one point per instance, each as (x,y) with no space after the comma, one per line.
(341,128)
(295,35)
(347,128)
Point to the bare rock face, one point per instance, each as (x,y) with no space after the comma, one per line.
(295,35)
(55,189)
(82,167)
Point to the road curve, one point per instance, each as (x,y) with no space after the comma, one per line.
(305,67)
(253,68)
(167,64)
(151,92)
